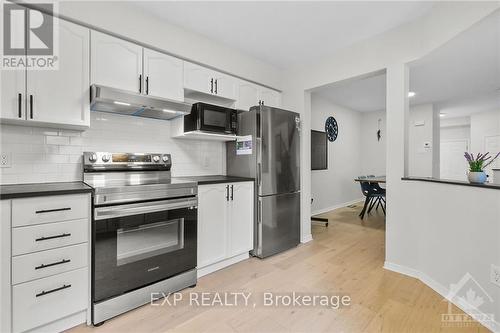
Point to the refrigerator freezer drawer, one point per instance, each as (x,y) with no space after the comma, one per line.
(278,223)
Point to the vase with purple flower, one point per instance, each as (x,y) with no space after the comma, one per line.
(477,165)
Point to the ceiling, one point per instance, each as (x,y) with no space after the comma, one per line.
(286,33)
(461,77)
(360,94)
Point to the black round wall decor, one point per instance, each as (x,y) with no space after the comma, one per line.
(331,129)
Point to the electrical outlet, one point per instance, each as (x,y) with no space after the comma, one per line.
(495,275)
(5,160)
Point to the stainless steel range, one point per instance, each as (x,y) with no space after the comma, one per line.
(144,230)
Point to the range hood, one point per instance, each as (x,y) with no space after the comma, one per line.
(106,99)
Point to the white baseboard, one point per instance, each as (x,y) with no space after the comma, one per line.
(341,205)
(443,291)
(306,238)
(222,264)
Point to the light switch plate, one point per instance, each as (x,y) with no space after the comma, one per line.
(5,160)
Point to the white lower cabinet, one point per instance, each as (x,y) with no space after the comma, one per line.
(225,224)
(44,300)
(48,259)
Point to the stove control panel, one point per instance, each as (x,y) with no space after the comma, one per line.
(105,160)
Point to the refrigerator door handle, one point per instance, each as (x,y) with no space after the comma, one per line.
(259,174)
(259,212)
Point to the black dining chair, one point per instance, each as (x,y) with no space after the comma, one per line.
(372,196)
(380,200)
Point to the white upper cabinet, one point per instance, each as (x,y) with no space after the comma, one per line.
(224,86)
(163,75)
(270,97)
(201,79)
(198,78)
(13,95)
(248,95)
(53,98)
(62,96)
(115,63)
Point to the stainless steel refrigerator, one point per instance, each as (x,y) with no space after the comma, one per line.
(273,160)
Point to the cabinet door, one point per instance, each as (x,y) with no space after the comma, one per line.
(198,78)
(248,95)
(12,94)
(12,82)
(5,257)
(164,75)
(212,223)
(115,63)
(225,86)
(241,221)
(270,97)
(62,96)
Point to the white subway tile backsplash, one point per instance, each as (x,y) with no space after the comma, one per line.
(56,140)
(48,155)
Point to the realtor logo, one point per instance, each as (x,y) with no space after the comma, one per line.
(469,295)
(28,31)
(29,36)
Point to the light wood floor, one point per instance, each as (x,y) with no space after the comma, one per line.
(344,258)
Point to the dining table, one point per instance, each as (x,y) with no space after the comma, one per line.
(376,179)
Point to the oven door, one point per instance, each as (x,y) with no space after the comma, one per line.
(139,244)
(215,119)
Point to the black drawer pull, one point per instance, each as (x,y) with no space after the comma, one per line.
(52,210)
(64,261)
(43,293)
(52,237)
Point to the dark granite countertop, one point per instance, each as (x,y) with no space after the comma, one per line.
(453,182)
(217,179)
(42,189)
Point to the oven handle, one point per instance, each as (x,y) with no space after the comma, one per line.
(102,213)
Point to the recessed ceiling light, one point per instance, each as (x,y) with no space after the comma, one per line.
(121,103)
(411,94)
(442,114)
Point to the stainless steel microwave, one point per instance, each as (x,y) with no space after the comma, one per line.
(211,118)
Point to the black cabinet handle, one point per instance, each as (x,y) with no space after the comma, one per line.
(227,192)
(140,83)
(64,261)
(31,106)
(212,86)
(43,293)
(232,192)
(19,104)
(52,237)
(147,85)
(52,210)
(215,86)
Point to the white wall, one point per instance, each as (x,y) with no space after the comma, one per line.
(485,134)
(373,152)
(414,237)
(50,155)
(455,133)
(335,186)
(421,131)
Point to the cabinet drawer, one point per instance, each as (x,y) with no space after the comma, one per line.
(49,209)
(46,263)
(49,236)
(41,301)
